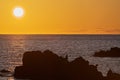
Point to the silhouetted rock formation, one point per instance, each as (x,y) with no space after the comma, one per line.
(38,65)
(46,65)
(112,76)
(81,70)
(113,52)
(5,73)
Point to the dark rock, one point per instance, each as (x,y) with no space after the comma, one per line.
(6,73)
(113,52)
(112,76)
(46,65)
(39,65)
(80,69)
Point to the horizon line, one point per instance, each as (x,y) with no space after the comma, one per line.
(58,34)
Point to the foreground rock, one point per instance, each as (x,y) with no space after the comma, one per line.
(112,76)
(6,73)
(38,65)
(113,52)
(46,65)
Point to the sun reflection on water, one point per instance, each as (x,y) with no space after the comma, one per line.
(13,49)
(10,78)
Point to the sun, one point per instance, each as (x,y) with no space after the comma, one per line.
(18,12)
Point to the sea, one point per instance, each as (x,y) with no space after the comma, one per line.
(12,48)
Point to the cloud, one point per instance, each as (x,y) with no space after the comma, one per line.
(108,30)
(113,30)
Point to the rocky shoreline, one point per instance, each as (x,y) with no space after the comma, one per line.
(47,65)
(113,52)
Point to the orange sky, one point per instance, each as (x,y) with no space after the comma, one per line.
(61,17)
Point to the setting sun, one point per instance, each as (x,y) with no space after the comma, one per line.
(18,12)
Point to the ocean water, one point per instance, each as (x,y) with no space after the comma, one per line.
(12,48)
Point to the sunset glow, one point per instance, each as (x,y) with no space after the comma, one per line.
(60,17)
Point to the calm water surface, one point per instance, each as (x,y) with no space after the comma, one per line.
(12,48)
